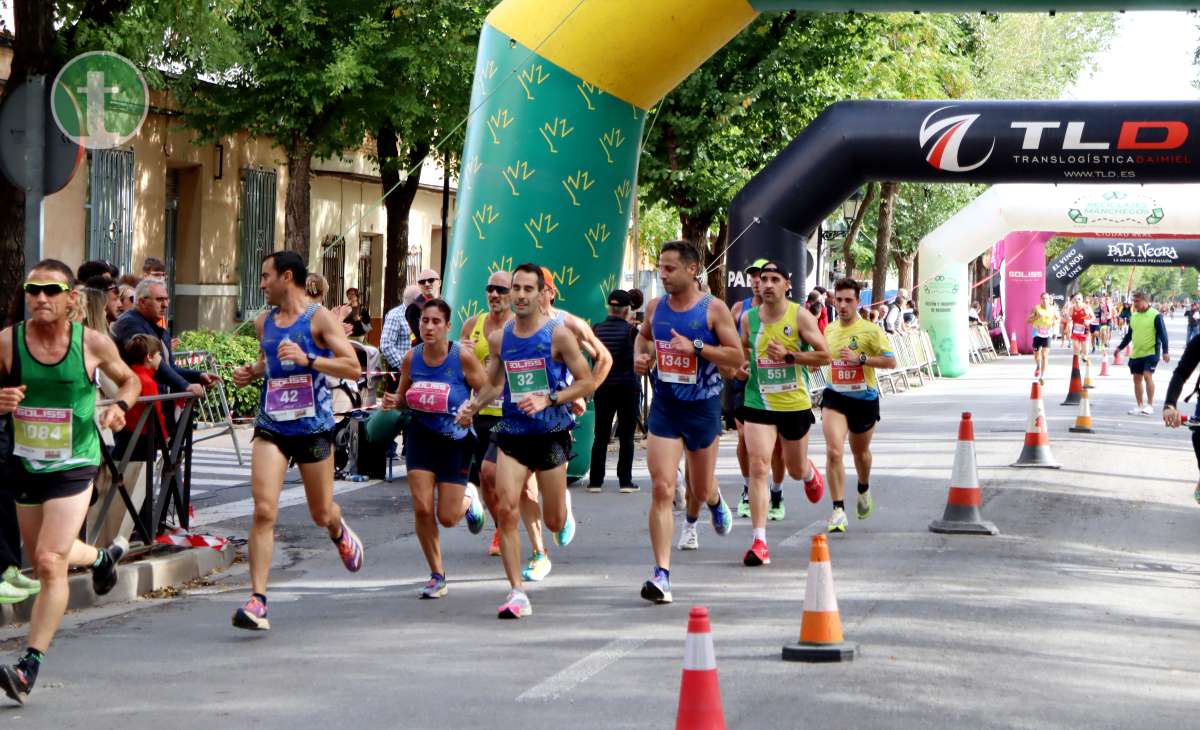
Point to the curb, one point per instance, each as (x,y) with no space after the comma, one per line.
(135,579)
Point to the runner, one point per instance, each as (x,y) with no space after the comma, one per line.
(1148,333)
(851,400)
(1094,325)
(56,451)
(1106,318)
(688,336)
(1171,415)
(777,407)
(1080,316)
(1043,318)
(474,338)
(435,380)
(302,343)
(533,436)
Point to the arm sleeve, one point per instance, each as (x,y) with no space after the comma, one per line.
(1183,371)
(1160,331)
(1126,339)
(167,375)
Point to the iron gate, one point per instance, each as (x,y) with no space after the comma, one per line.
(110,207)
(257,237)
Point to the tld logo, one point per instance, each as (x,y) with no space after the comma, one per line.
(1143,135)
(950,133)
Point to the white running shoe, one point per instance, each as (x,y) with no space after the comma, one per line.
(1135,411)
(687,537)
(1148,411)
(837,521)
(515,605)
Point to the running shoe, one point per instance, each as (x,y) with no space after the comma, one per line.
(1135,411)
(757,554)
(515,606)
(476,519)
(15,684)
(1196,494)
(350,548)
(837,521)
(564,536)
(658,588)
(866,505)
(104,575)
(814,489)
(252,616)
(537,569)
(14,577)
(1148,411)
(494,549)
(722,518)
(744,504)
(777,511)
(595,488)
(688,540)
(630,488)
(10,594)
(435,587)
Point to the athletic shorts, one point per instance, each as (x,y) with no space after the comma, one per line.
(697,422)
(30,489)
(484,445)
(1041,343)
(449,460)
(861,414)
(309,448)
(737,396)
(1094,328)
(1139,365)
(791,425)
(536,451)
(1196,444)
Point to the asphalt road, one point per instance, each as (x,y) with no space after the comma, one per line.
(1081,613)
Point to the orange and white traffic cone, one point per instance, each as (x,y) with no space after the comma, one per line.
(1013,349)
(1076,384)
(700,690)
(1083,422)
(821,627)
(1104,365)
(1036,451)
(1087,373)
(962,515)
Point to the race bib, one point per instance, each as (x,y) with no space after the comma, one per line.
(429,397)
(527,377)
(42,434)
(291,398)
(848,376)
(1043,332)
(1078,329)
(675,367)
(776,376)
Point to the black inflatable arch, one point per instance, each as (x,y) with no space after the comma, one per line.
(854,142)
(1087,252)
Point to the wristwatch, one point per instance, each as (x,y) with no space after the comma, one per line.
(862,358)
(122,405)
(790,359)
(698,344)
(553,397)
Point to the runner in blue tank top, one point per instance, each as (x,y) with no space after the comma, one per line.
(301,344)
(687,339)
(533,436)
(435,382)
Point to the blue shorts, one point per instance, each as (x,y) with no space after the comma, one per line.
(1139,365)
(697,422)
(449,460)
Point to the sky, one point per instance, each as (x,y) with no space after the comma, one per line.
(1149,59)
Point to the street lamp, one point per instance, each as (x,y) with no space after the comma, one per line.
(837,230)
(850,207)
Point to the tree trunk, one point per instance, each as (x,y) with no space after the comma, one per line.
(883,239)
(855,227)
(716,272)
(695,229)
(297,204)
(398,202)
(904,269)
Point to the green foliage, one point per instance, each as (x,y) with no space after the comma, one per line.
(656,224)
(1035,55)
(920,208)
(229,351)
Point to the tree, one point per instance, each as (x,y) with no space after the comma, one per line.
(1035,55)
(883,237)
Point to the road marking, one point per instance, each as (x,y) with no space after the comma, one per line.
(566,680)
(802,537)
(245,507)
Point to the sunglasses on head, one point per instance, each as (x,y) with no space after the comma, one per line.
(497,289)
(424,282)
(50,288)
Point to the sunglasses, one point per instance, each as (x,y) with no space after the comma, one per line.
(425,282)
(50,289)
(497,289)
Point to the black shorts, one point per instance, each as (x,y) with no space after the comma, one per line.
(1041,343)
(537,451)
(449,460)
(1142,365)
(485,447)
(30,489)
(791,425)
(1093,328)
(861,414)
(308,448)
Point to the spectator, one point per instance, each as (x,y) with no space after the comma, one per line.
(150,306)
(89,269)
(617,395)
(315,288)
(356,316)
(816,306)
(125,296)
(396,339)
(973,315)
(636,300)
(92,310)
(893,319)
(430,288)
(129,280)
(1193,321)
(145,354)
(154,268)
(829,313)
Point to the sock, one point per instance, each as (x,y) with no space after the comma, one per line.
(101,556)
(30,664)
(745,491)
(437,575)
(862,488)
(839,504)
(692,520)
(760,533)
(665,573)
(777,487)
(261,598)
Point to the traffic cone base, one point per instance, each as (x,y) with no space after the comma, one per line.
(814,654)
(821,637)
(962,515)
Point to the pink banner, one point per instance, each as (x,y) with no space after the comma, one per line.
(1024,282)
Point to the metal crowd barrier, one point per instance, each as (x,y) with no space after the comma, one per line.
(174,476)
(213,412)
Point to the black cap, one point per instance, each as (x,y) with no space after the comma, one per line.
(774,266)
(618,298)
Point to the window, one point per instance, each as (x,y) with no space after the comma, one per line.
(333,268)
(257,237)
(109,208)
(413,264)
(364,273)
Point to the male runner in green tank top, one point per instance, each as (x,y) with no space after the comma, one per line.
(46,366)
